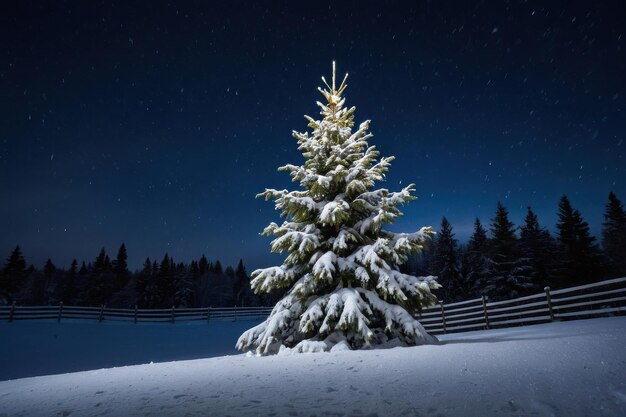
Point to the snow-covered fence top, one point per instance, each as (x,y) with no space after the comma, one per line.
(585,301)
(173,314)
(592,300)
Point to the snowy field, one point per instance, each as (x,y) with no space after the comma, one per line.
(40,347)
(556,369)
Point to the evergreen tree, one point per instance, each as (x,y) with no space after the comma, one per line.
(82,286)
(14,272)
(142,281)
(101,261)
(477,260)
(340,276)
(509,275)
(195,270)
(614,236)
(120,268)
(537,250)
(49,269)
(100,282)
(152,296)
(173,267)
(184,294)
(49,273)
(69,289)
(147,267)
(446,263)
(241,284)
(464,271)
(83,269)
(165,282)
(203,265)
(578,254)
(230,272)
(217,268)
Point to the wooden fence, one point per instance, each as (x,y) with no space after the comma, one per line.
(172,315)
(603,298)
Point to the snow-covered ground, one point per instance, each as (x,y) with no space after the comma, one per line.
(556,369)
(40,347)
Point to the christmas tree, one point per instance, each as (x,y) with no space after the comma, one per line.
(343,288)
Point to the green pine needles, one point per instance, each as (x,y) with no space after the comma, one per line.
(344,289)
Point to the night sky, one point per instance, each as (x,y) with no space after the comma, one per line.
(155,124)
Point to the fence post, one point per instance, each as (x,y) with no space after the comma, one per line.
(173,314)
(208,314)
(101,313)
(60,312)
(235,313)
(135,314)
(443,317)
(549,300)
(485,312)
(12,311)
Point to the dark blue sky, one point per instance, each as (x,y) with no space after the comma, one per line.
(155,124)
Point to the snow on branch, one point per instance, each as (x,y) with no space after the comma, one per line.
(267,337)
(267,279)
(409,242)
(324,266)
(344,309)
(398,322)
(306,240)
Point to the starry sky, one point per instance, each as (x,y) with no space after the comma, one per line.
(155,123)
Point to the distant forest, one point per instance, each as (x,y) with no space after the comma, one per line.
(505,261)
(497,262)
(105,281)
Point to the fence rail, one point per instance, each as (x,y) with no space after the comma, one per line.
(603,298)
(14,312)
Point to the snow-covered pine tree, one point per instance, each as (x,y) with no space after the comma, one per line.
(446,264)
(341,276)
(538,250)
(477,260)
(509,274)
(579,257)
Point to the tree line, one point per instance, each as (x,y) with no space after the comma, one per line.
(497,262)
(106,281)
(501,263)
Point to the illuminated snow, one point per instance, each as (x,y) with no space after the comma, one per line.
(567,369)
